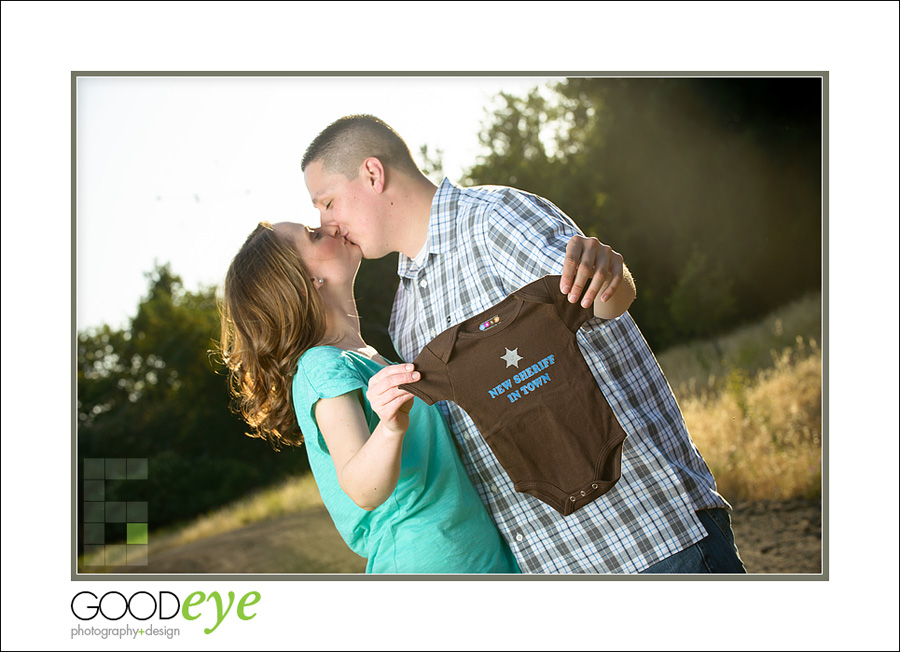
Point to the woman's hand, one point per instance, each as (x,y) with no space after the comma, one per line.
(368,464)
(389,402)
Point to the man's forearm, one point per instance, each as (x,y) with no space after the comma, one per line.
(620,301)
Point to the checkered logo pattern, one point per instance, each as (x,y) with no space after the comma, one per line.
(99,513)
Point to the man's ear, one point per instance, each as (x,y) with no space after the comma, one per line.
(373,171)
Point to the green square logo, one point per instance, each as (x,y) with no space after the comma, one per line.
(105,521)
(137,533)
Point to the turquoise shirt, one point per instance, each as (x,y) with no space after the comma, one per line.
(434,521)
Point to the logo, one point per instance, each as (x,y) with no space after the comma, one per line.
(86,605)
(99,514)
(165,605)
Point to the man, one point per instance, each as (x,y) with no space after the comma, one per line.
(464,250)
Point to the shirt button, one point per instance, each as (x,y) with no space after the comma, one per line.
(519,537)
(494,488)
(423,283)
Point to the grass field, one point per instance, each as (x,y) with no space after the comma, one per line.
(752,401)
(754,406)
(290,496)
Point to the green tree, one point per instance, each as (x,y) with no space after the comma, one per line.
(662,168)
(152,390)
(432,165)
(702,299)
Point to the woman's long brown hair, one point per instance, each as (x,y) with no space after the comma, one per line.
(270,315)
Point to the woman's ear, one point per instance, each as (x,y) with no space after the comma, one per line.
(373,170)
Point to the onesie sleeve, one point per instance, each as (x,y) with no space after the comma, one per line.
(572,314)
(434,385)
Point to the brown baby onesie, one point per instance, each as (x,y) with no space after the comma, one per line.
(517,370)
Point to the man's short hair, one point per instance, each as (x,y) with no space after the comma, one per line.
(346,143)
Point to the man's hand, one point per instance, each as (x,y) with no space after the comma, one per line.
(590,259)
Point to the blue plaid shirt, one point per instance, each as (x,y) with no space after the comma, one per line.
(483,243)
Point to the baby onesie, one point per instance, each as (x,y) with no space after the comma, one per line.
(516,369)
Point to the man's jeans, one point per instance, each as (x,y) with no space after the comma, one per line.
(716,553)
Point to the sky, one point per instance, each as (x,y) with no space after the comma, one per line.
(180,169)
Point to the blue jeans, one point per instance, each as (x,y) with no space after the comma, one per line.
(715,553)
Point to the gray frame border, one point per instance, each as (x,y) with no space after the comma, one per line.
(76,576)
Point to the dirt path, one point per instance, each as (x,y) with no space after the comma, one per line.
(306,542)
(779,537)
(773,537)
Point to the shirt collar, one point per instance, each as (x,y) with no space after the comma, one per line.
(441,228)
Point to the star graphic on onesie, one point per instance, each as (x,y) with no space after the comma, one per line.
(512,358)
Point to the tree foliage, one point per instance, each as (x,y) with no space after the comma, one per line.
(710,188)
(152,390)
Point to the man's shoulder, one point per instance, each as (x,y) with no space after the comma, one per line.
(488,195)
(492,205)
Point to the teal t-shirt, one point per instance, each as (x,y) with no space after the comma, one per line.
(434,521)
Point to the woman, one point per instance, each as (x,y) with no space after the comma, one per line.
(385,464)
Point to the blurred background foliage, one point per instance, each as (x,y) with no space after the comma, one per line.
(152,390)
(710,188)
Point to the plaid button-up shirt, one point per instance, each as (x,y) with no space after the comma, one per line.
(482,244)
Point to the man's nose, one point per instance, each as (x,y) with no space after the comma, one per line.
(330,229)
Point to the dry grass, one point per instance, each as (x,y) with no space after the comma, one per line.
(752,402)
(692,367)
(761,437)
(758,425)
(291,496)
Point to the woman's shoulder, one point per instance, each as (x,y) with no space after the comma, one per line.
(320,360)
(319,354)
(324,365)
